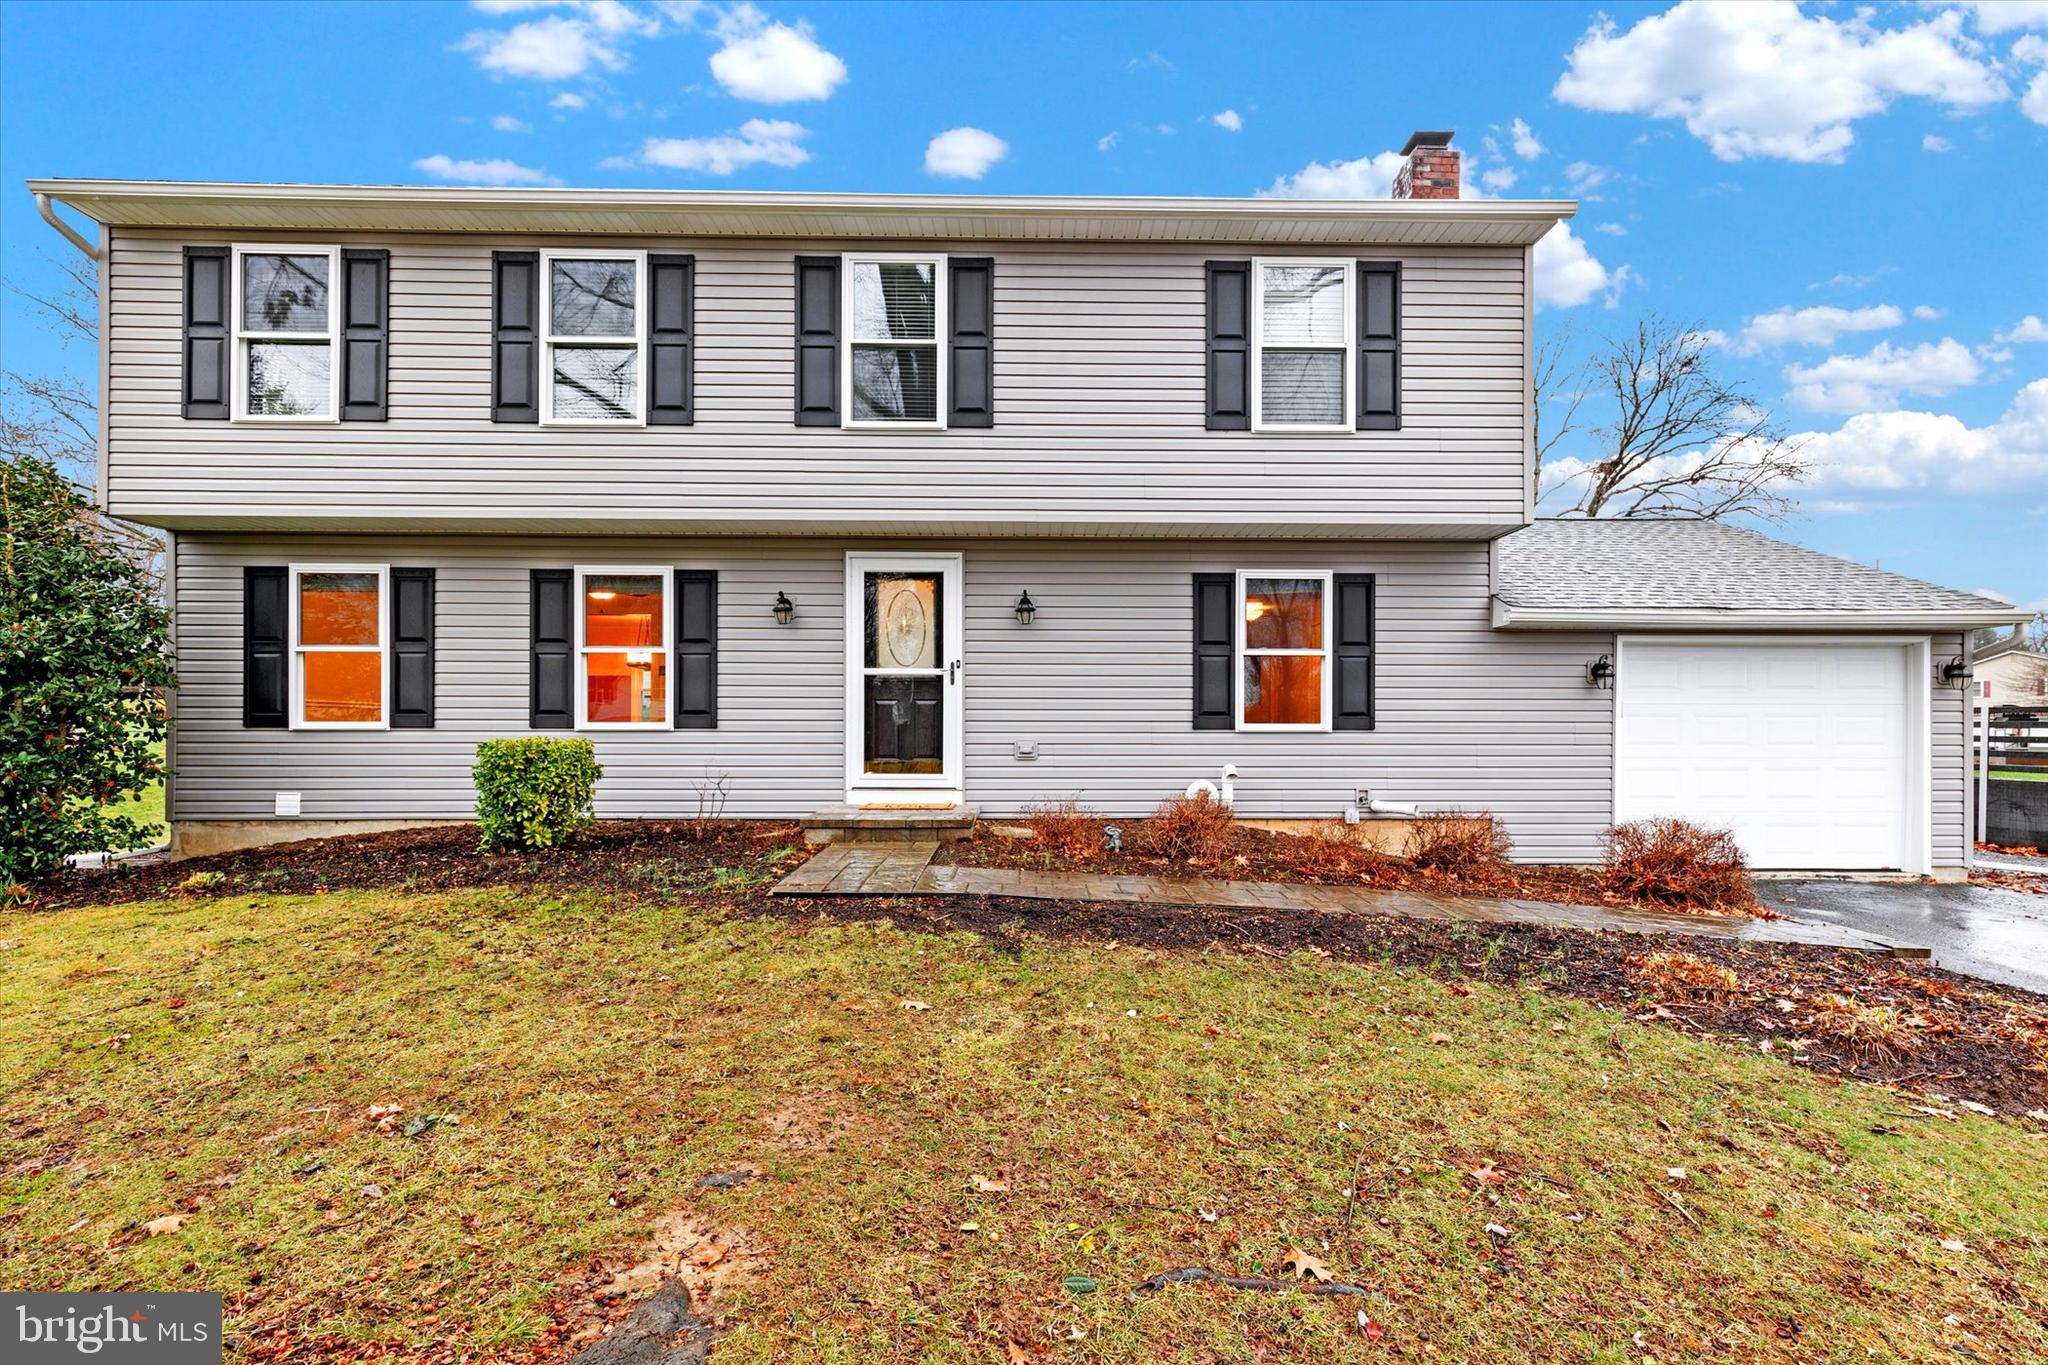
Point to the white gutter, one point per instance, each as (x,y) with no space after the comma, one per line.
(1507,616)
(71,234)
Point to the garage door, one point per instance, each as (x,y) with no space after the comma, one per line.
(1804,751)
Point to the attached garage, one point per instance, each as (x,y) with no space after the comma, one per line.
(1813,707)
(1813,754)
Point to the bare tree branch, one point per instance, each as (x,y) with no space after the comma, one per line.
(1555,396)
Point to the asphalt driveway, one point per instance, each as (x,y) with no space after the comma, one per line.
(1983,931)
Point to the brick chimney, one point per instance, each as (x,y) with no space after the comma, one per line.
(1431,171)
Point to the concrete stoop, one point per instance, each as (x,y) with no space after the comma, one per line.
(890,824)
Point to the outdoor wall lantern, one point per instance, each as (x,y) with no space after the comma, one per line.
(1600,673)
(784,609)
(1955,672)
(1025,609)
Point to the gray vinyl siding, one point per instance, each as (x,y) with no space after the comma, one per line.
(1468,717)
(1949,734)
(1099,384)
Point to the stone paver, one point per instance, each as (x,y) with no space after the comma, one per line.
(856,868)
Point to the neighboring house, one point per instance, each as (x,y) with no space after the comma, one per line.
(2016,675)
(928,500)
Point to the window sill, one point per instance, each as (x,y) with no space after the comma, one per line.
(315,726)
(257,421)
(634,424)
(1263,430)
(1249,729)
(602,726)
(892,426)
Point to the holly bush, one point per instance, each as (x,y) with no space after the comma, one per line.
(85,664)
(534,793)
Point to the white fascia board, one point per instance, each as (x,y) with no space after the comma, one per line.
(1509,617)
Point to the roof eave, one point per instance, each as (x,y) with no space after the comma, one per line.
(1508,616)
(197,204)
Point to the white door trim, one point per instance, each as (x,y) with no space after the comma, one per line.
(949,784)
(1917,659)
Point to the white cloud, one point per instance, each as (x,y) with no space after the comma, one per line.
(496,171)
(2034,103)
(2003,16)
(550,49)
(1875,380)
(1568,275)
(770,62)
(1498,179)
(568,99)
(1931,143)
(758,142)
(2029,328)
(1842,279)
(1766,79)
(1527,146)
(1228,121)
(1900,450)
(1612,229)
(1106,141)
(505,123)
(1369,177)
(1150,61)
(1927,312)
(964,153)
(1585,176)
(1817,326)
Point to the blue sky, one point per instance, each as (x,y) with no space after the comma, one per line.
(1856,201)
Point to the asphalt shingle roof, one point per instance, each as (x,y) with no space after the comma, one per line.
(1593,565)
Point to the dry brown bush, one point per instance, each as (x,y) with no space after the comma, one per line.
(1872,1031)
(1469,846)
(1671,863)
(1190,829)
(1066,828)
(1333,850)
(1683,976)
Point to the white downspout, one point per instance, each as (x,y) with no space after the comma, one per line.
(71,234)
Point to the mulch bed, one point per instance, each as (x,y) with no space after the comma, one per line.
(1974,1041)
(1262,855)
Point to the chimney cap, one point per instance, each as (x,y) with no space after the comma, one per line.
(1426,139)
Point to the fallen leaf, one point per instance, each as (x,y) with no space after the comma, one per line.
(1439,1037)
(915,1005)
(1487,1175)
(709,1253)
(169,1223)
(1675,1172)
(1078,1284)
(1206,1215)
(991,1186)
(1014,1354)
(1373,1330)
(1951,1244)
(1496,1230)
(1977,1108)
(372,1191)
(1307,1267)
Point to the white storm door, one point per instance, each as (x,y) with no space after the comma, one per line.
(904,678)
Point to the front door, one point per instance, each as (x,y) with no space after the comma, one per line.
(903,679)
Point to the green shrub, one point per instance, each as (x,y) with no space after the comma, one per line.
(534,793)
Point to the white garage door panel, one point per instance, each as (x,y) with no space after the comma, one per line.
(1802,750)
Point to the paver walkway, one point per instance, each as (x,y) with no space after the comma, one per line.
(859,868)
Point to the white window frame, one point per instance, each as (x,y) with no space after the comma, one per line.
(1349,348)
(667,648)
(382,649)
(238,385)
(548,340)
(847,342)
(1241,652)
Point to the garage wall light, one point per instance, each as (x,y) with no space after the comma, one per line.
(1600,673)
(1954,673)
(1025,609)
(784,609)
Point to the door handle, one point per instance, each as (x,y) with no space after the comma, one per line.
(953,671)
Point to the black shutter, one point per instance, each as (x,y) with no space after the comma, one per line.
(208,334)
(551,683)
(971,398)
(1230,346)
(1214,643)
(817,341)
(671,340)
(365,333)
(1379,345)
(696,649)
(515,336)
(412,649)
(265,648)
(1354,637)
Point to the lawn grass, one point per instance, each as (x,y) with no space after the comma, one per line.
(219,1057)
(147,806)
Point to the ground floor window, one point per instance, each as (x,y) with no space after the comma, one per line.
(622,654)
(337,643)
(1283,646)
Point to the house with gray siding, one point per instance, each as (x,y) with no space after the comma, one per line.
(790,500)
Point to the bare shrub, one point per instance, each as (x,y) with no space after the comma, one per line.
(1868,1031)
(1066,828)
(1471,847)
(1190,829)
(1670,863)
(1683,976)
(1331,850)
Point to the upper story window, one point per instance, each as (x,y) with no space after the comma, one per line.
(286,324)
(892,365)
(337,644)
(593,349)
(1303,344)
(1283,646)
(622,648)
